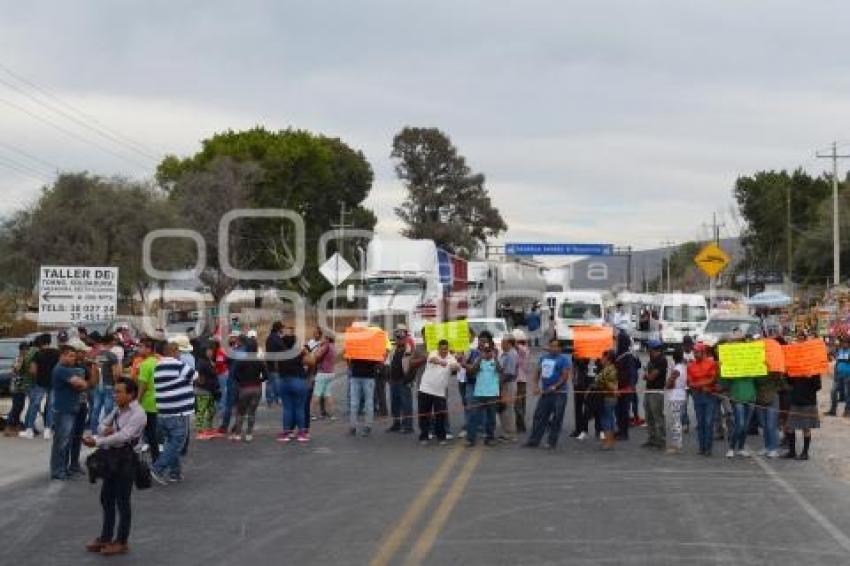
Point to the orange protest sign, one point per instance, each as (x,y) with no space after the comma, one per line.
(774,356)
(590,342)
(805,359)
(365,344)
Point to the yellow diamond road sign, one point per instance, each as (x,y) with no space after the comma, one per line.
(712,260)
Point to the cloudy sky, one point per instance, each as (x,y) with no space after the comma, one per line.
(594,121)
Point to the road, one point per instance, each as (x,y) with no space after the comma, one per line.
(387,500)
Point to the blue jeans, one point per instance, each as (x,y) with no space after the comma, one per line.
(60,452)
(227,401)
(101,400)
(223,389)
(173,431)
(838,392)
(705,407)
(273,389)
(549,415)
(483,414)
(37,394)
(741,415)
(768,417)
(361,389)
(401,405)
(686,420)
(294,392)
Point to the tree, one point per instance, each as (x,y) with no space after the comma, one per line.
(762,201)
(296,170)
(446,202)
(84,219)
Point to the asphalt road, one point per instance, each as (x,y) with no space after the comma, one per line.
(387,500)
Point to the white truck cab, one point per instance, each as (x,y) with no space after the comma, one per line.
(681,314)
(576,308)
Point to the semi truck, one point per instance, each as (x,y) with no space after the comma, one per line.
(413,282)
(517,285)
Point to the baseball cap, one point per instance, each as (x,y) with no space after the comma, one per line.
(182,342)
(519,335)
(654,344)
(78,345)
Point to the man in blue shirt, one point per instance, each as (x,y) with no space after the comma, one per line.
(550,383)
(67,382)
(841,379)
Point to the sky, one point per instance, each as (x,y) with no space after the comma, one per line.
(596,122)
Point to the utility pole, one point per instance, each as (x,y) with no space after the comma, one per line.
(789,251)
(341,239)
(715,234)
(836,241)
(667,245)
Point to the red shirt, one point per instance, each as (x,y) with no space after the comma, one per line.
(702,375)
(220,362)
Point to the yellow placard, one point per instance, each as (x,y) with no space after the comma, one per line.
(712,260)
(742,359)
(456,332)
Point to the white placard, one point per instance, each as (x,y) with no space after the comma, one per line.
(76,295)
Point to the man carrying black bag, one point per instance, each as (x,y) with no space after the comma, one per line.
(117,435)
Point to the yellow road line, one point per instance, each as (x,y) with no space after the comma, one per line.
(426,541)
(419,505)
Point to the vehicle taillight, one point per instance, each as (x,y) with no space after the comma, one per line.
(427,310)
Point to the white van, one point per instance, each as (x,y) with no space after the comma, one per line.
(681,314)
(576,308)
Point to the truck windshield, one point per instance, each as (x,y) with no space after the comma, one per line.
(727,325)
(685,313)
(581,311)
(397,286)
(495,327)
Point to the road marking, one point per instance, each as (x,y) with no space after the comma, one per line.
(392,542)
(836,533)
(426,541)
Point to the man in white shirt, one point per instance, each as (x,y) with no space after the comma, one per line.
(433,388)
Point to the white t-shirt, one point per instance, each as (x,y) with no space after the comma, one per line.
(435,378)
(679,391)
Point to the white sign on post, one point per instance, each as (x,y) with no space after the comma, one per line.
(71,295)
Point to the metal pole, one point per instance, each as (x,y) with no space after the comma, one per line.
(836,244)
(789,250)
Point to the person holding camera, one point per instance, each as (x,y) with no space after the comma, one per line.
(117,434)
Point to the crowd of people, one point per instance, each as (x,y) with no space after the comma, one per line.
(94,391)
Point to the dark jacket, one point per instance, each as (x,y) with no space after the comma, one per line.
(274,343)
(249,373)
(805,391)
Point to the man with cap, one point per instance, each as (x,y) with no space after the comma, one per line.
(653,399)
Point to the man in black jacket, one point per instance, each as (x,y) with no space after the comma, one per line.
(401,394)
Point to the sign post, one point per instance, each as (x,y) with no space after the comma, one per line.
(335,270)
(71,295)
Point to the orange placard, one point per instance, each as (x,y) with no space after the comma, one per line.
(805,359)
(774,356)
(365,344)
(590,342)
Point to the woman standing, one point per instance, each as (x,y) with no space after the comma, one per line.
(675,400)
(803,414)
(117,435)
(249,375)
(294,389)
(605,385)
(206,392)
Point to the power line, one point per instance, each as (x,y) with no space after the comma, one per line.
(49,165)
(72,134)
(21,169)
(99,128)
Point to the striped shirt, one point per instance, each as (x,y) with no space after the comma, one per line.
(173,384)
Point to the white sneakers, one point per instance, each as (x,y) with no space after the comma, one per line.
(582,436)
(29,434)
(771,454)
(730,454)
(744,453)
(48,434)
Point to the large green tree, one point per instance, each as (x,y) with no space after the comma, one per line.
(762,201)
(83,219)
(446,202)
(296,170)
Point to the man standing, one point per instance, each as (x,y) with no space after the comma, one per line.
(147,394)
(508,363)
(702,381)
(68,383)
(433,390)
(107,370)
(550,384)
(361,386)
(41,367)
(274,346)
(401,394)
(522,377)
(656,379)
(175,400)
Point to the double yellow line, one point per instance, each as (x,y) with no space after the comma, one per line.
(392,542)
